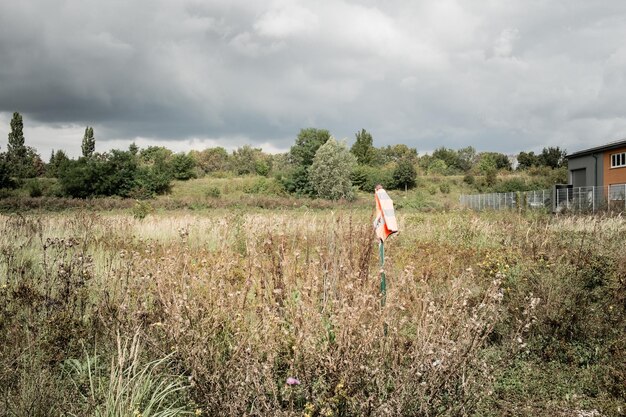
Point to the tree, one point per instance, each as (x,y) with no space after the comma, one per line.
(437,166)
(211,159)
(182,166)
(155,155)
(493,159)
(5,172)
(526,160)
(330,172)
(552,157)
(466,158)
(307,143)
(248,160)
(16,150)
(115,173)
(56,160)
(404,175)
(395,153)
(363,148)
(89,143)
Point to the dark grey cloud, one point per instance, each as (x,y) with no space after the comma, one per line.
(501,75)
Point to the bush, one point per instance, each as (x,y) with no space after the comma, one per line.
(366,178)
(213,192)
(444,188)
(34,188)
(141,209)
(263,185)
(116,173)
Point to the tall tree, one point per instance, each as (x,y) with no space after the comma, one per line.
(363,148)
(330,172)
(16,149)
(89,143)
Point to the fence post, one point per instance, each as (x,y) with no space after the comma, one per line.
(593,198)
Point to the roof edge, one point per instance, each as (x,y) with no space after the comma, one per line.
(607,147)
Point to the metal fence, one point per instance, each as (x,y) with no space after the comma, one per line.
(500,201)
(592,199)
(579,200)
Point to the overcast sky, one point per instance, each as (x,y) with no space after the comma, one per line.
(502,75)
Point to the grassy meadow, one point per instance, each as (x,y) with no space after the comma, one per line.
(209,313)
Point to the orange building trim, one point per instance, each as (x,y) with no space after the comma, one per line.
(613,175)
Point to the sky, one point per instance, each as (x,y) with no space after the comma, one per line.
(498,75)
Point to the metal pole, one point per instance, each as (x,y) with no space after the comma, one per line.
(383,278)
(593,197)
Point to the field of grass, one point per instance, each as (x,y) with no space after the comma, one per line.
(210,312)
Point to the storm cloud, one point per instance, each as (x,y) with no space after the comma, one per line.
(497,75)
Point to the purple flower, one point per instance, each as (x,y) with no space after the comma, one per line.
(292,381)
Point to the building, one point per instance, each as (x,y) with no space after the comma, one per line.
(602,166)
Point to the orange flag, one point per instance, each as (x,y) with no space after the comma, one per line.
(385,223)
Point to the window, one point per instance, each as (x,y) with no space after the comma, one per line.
(618,160)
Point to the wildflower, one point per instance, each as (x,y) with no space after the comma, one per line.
(292,381)
(198,411)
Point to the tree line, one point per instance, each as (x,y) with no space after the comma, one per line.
(316,165)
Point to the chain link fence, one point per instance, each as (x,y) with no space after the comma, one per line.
(559,199)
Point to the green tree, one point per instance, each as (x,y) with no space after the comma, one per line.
(404,175)
(155,155)
(89,143)
(5,172)
(363,148)
(526,160)
(211,159)
(466,158)
(248,160)
(16,150)
(553,157)
(307,143)
(497,160)
(56,160)
(395,153)
(182,166)
(437,166)
(330,172)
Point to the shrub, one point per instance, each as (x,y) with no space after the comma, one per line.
(141,209)
(366,178)
(213,192)
(444,188)
(34,188)
(330,172)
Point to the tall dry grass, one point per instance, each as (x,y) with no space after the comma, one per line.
(238,302)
